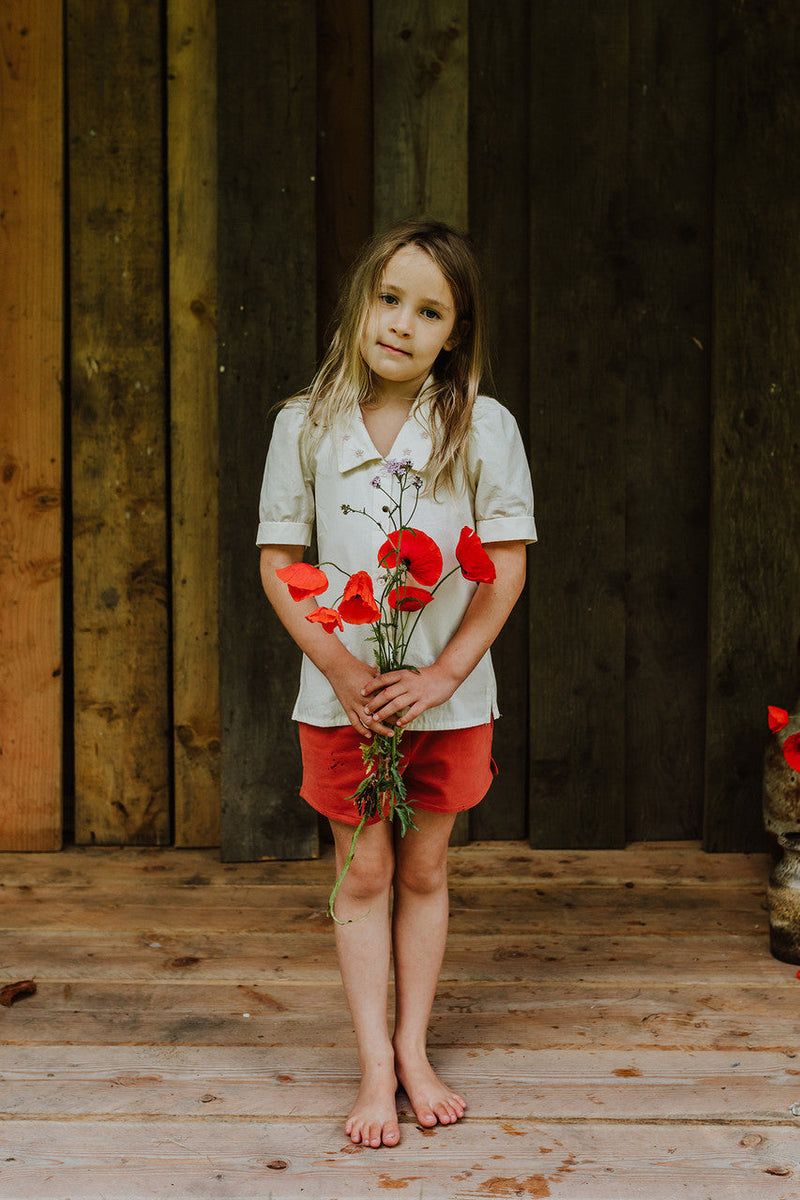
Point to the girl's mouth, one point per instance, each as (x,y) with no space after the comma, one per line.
(394,349)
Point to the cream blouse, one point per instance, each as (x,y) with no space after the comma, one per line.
(300,490)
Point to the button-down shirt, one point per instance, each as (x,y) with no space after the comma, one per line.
(304,489)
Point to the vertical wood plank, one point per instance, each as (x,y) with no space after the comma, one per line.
(192,158)
(579,106)
(31,257)
(667,280)
(420,84)
(118,422)
(344,147)
(267,255)
(755,517)
(499,218)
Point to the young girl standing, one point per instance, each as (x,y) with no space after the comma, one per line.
(399,384)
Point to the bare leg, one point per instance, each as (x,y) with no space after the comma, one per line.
(364,948)
(419,933)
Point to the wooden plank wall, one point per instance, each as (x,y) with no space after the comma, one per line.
(628,178)
(31,270)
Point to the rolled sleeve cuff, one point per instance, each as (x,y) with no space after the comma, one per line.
(284,533)
(507,529)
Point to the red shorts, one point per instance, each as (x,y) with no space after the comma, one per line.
(444,770)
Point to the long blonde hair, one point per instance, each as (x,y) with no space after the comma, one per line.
(344,382)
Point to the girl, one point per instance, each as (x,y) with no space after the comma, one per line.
(399,384)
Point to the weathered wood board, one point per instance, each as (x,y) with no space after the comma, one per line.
(31,374)
(651,1054)
(118,423)
(755,518)
(498,223)
(344,146)
(578,341)
(420,74)
(267,338)
(666,280)
(194,433)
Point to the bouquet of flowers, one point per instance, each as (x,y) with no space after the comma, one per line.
(394,616)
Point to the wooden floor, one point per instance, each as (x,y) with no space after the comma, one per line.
(614,1019)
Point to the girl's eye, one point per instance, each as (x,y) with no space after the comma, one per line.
(432,313)
(388,298)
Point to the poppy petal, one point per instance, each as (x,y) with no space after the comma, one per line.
(778,718)
(303,580)
(472,558)
(409,599)
(791,751)
(328,618)
(416,550)
(358,605)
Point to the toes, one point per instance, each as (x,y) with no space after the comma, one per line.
(391,1134)
(426,1116)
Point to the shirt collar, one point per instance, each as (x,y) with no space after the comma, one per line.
(354,446)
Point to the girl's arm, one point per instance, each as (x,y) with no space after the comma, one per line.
(346,674)
(487,614)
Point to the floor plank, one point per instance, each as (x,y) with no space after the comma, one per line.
(615,1019)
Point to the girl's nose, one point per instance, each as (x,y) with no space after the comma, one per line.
(401,325)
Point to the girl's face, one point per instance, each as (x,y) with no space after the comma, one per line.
(410,321)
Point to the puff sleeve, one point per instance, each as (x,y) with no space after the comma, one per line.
(499,476)
(286,509)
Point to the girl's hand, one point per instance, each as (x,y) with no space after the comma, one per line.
(349,682)
(390,694)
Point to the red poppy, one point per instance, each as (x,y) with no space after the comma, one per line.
(303,580)
(328,618)
(418,552)
(358,605)
(777,717)
(791,751)
(409,599)
(474,561)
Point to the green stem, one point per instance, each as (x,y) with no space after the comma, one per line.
(338,884)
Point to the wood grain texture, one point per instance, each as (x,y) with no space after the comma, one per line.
(653,1059)
(194,434)
(344,146)
(667,278)
(267,330)
(31,371)
(755,519)
(117,369)
(499,219)
(420,81)
(579,132)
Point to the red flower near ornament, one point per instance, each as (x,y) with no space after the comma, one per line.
(303,580)
(791,751)
(409,599)
(778,718)
(358,605)
(416,551)
(328,618)
(473,559)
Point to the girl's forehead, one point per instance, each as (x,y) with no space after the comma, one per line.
(412,268)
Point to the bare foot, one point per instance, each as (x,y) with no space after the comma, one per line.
(373,1118)
(431,1099)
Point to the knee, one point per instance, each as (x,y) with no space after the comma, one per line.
(369,874)
(423,876)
